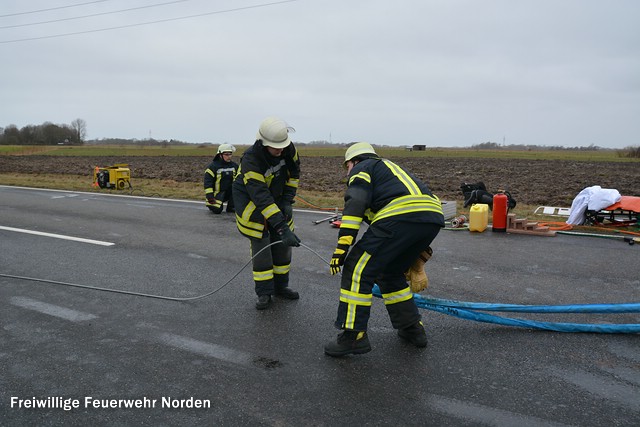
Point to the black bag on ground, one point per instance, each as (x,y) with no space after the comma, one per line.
(477,193)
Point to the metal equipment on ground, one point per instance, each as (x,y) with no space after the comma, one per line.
(116,176)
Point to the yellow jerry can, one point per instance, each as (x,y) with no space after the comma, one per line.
(478,217)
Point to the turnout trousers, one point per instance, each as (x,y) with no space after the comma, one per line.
(221,197)
(385,251)
(271,265)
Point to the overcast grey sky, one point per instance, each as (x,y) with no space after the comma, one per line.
(442,73)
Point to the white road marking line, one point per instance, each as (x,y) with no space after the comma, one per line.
(100,195)
(476,414)
(207,349)
(602,385)
(57,236)
(51,310)
(139,205)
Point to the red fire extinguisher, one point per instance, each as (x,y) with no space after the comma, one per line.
(500,210)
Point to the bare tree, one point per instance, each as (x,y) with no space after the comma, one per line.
(79,127)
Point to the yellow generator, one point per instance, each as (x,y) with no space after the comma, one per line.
(116,176)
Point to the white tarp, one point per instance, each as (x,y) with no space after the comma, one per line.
(593,198)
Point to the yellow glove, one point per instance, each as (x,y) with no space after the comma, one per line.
(415,275)
(337,260)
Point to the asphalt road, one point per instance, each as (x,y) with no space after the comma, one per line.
(99,351)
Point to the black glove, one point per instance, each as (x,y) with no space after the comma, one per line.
(287,210)
(287,237)
(337,260)
(212,198)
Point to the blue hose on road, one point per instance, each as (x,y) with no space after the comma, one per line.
(466,310)
(516,308)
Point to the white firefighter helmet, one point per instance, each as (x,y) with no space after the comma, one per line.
(274,132)
(226,148)
(358,149)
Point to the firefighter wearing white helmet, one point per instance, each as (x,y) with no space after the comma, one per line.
(226,148)
(274,132)
(404,217)
(218,180)
(264,190)
(358,149)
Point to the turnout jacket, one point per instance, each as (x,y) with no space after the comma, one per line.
(218,177)
(378,190)
(262,186)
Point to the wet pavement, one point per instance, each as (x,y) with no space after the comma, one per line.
(90,356)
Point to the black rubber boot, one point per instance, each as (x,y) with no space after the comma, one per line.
(415,334)
(287,293)
(263,302)
(348,342)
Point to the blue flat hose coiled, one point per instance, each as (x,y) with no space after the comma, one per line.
(516,308)
(466,310)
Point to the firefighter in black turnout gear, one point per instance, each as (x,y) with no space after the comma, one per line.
(404,217)
(218,179)
(263,190)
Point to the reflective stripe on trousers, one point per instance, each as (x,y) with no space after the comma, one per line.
(381,256)
(271,266)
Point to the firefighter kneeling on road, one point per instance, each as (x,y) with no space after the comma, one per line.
(404,217)
(218,179)
(264,190)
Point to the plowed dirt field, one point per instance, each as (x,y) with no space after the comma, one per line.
(531,182)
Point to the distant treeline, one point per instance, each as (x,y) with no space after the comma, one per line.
(45,134)
(483,146)
(522,147)
(74,134)
(156,142)
(146,142)
(632,152)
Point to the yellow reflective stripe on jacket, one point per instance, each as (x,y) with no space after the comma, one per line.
(248,231)
(270,210)
(408,204)
(216,182)
(345,240)
(293,182)
(245,225)
(398,296)
(361,175)
(253,175)
(213,175)
(216,203)
(409,183)
(228,169)
(352,222)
